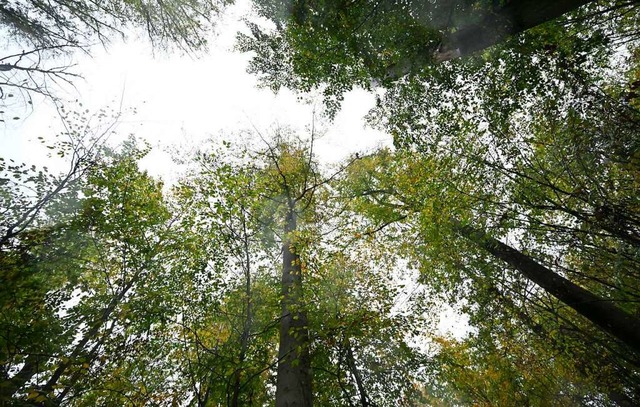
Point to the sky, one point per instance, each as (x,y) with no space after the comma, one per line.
(182,100)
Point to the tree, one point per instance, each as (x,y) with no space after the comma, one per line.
(451,205)
(361,355)
(79,23)
(608,317)
(237,201)
(44,34)
(296,181)
(127,220)
(94,270)
(113,259)
(336,46)
(226,211)
(548,166)
(36,228)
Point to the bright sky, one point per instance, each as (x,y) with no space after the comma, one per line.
(181,100)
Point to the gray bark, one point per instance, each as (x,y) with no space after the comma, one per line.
(293,384)
(599,311)
(513,18)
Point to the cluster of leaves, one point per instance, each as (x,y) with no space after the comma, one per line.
(78,23)
(129,298)
(533,141)
(244,200)
(339,45)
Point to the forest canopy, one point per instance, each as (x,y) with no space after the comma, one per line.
(265,276)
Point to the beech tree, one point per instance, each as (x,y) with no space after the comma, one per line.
(534,155)
(275,298)
(230,363)
(447,211)
(298,183)
(38,207)
(99,277)
(338,46)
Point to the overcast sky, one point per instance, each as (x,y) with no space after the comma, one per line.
(180,99)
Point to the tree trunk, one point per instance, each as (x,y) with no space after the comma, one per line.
(246,328)
(293,385)
(10,386)
(351,361)
(49,386)
(598,310)
(513,18)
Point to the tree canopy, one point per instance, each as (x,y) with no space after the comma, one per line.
(80,23)
(263,276)
(336,46)
(45,34)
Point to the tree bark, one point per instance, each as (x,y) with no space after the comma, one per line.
(514,17)
(10,386)
(293,384)
(598,310)
(351,361)
(246,327)
(48,387)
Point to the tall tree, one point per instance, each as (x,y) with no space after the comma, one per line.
(294,181)
(306,314)
(227,211)
(273,197)
(608,317)
(98,281)
(336,46)
(36,228)
(455,192)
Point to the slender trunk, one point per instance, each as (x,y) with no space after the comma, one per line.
(244,337)
(293,385)
(90,357)
(237,385)
(513,18)
(79,348)
(10,386)
(351,361)
(598,310)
